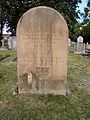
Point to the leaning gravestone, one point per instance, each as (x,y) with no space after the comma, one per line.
(42,41)
(79,47)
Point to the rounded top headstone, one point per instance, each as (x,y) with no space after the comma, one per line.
(80,39)
(40,15)
(42,37)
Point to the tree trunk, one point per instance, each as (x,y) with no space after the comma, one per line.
(1,31)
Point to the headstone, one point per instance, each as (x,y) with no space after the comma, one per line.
(3,47)
(87,46)
(79,47)
(42,41)
(69,42)
(12,43)
(80,39)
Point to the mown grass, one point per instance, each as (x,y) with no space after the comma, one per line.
(46,107)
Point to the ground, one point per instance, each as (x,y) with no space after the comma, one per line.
(46,107)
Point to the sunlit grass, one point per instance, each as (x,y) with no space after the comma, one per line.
(46,107)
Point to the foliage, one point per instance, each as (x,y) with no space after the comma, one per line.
(87,11)
(83,28)
(2,16)
(16,8)
(85,32)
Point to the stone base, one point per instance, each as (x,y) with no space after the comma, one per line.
(44,92)
(41,86)
(78,52)
(40,92)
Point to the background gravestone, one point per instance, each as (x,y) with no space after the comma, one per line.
(87,46)
(69,42)
(80,39)
(12,43)
(42,41)
(79,47)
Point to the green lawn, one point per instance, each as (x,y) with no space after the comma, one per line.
(46,107)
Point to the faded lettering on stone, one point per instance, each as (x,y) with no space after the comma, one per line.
(42,70)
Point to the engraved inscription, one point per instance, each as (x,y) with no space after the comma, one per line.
(42,70)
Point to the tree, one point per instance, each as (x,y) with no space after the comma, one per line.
(85,32)
(84,27)
(2,16)
(87,12)
(15,9)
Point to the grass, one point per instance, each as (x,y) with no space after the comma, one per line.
(46,107)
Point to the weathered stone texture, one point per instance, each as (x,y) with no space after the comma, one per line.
(12,43)
(80,39)
(42,41)
(79,48)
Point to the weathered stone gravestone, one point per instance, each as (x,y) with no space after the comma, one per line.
(79,47)
(42,41)
(12,43)
(69,42)
(80,39)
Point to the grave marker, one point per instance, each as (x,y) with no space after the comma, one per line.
(12,43)
(42,41)
(79,47)
(69,42)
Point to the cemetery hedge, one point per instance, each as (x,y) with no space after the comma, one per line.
(74,106)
